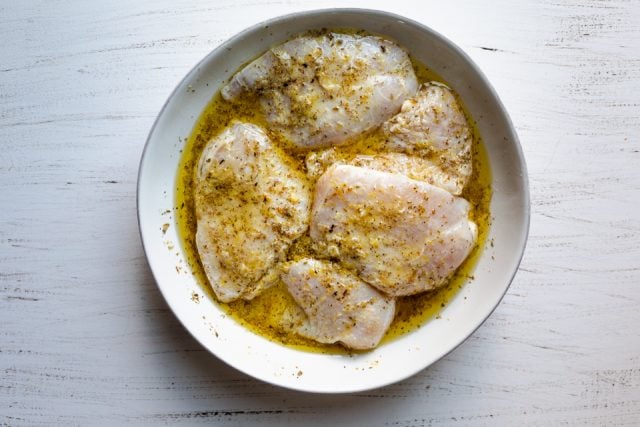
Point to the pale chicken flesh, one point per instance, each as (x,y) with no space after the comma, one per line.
(339,307)
(400,235)
(414,167)
(432,125)
(320,91)
(251,203)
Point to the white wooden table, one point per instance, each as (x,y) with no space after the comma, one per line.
(85,336)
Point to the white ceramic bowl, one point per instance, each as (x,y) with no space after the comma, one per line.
(390,362)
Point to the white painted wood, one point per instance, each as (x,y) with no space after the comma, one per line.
(86,338)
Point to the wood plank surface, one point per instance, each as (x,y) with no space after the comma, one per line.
(85,336)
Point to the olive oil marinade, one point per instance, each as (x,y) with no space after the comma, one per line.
(264,313)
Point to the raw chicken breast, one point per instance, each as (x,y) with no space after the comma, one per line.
(251,203)
(323,90)
(432,125)
(414,167)
(400,235)
(339,306)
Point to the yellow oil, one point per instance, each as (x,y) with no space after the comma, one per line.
(262,314)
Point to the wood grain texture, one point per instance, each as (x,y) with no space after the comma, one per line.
(86,338)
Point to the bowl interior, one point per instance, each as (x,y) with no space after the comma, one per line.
(390,362)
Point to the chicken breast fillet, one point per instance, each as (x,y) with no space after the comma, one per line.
(339,306)
(400,235)
(431,125)
(319,91)
(414,167)
(251,203)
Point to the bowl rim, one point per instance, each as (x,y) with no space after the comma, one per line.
(323,12)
